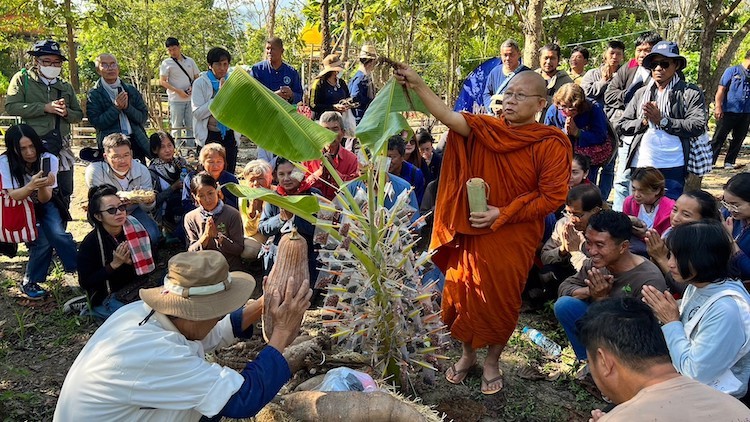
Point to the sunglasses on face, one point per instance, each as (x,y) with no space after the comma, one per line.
(115,210)
(663,63)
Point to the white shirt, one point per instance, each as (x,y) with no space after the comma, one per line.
(8,182)
(659,149)
(150,372)
(177,78)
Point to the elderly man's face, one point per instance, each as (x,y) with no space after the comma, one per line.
(642,51)
(510,57)
(396,161)
(120,158)
(334,127)
(108,68)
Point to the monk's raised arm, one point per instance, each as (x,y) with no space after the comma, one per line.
(455,121)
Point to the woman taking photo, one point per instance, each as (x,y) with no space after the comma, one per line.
(708,333)
(23,175)
(167,174)
(106,266)
(736,205)
(648,207)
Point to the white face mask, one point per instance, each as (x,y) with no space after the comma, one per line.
(50,72)
(120,173)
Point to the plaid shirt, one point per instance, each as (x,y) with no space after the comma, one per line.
(140,246)
(700,159)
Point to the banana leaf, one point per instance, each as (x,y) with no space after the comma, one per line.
(383,117)
(303,206)
(246,106)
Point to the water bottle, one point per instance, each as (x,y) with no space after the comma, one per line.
(183,174)
(550,347)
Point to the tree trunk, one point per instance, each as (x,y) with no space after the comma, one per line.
(324,28)
(725,59)
(713,17)
(412,25)
(533,32)
(271,24)
(72,50)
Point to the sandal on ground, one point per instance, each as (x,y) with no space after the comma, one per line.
(458,376)
(486,383)
(528,372)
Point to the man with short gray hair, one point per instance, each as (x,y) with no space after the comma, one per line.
(499,77)
(343,160)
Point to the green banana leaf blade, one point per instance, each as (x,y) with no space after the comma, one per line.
(303,206)
(246,106)
(383,117)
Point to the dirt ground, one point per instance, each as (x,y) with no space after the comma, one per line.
(38,343)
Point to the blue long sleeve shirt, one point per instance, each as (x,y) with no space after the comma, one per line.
(274,79)
(358,88)
(741,261)
(495,81)
(592,125)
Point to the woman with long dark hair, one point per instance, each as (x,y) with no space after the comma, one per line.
(22,175)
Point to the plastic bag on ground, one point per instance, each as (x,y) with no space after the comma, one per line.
(347,379)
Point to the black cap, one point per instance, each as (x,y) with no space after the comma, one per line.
(46,48)
(171,41)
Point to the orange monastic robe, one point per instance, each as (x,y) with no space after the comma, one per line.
(527,169)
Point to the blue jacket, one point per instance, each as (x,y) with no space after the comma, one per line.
(592,124)
(105,117)
(358,88)
(495,81)
(274,79)
(736,80)
(414,176)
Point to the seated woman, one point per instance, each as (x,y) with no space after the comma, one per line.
(582,120)
(213,225)
(257,174)
(213,160)
(276,221)
(23,176)
(736,205)
(708,332)
(648,207)
(167,175)
(106,265)
(689,207)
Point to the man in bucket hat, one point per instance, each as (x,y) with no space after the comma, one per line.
(146,363)
(49,105)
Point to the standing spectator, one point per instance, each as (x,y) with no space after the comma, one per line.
(328,89)
(579,58)
(48,104)
(213,226)
(663,116)
(433,158)
(343,161)
(213,159)
(207,128)
(732,111)
(21,177)
(125,174)
(106,263)
(630,363)
(499,77)
(595,84)
(116,107)
(166,173)
(176,74)
(549,60)
(404,169)
(362,87)
(626,81)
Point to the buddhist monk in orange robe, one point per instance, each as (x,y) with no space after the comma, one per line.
(486,255)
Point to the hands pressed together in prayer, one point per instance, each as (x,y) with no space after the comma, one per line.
(121,101)
(599,285)
(570,127)
(657,249)
(571,240)
(121,256)
(57,107)
(651,112)
(662,303)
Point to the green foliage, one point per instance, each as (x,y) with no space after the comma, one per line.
(4,81)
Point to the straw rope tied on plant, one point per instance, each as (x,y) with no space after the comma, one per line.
(383,309)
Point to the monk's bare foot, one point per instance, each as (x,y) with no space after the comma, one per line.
(492,378)
(458,371)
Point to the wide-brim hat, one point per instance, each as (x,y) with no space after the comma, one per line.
(199,287)
(331,63)
(46,48)
(667,49)
(368,52)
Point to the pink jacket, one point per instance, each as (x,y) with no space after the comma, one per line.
(661,220)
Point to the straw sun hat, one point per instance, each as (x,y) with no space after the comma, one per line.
(331,63)
(199,287)
(368,52)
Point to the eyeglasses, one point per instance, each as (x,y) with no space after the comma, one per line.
(663,63)
(518,96)
(566,107)
(109,65)
(115,210)
(730,207)
(55,63)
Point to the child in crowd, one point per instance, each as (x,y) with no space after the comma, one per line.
(213,225)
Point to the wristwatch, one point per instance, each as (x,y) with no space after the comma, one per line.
(663,122)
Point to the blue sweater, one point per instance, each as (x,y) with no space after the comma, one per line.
(274,79)
(592,125)
(741,261)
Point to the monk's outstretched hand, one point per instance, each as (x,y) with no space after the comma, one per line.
(482,220)
(407,76)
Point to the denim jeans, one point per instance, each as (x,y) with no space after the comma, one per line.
(52,234)
(605,179)
(154,232)
(568,310)
(622,177)
(105,310)
(181,115)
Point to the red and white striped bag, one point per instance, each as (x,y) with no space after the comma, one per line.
(17,219)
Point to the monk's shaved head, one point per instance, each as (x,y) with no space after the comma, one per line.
(532,81)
